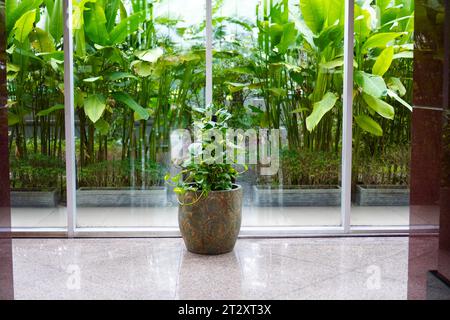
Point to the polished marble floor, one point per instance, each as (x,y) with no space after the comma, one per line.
(251,216)
(161,268)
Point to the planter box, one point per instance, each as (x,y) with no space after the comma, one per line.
(382,195)
(111,197)
(301,196)
(34,198)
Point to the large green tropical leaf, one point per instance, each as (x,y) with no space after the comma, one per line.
(55,22)
(41,41)
(94,106)
(24,25)
(380,40)
(394,95)
(95,23)
(111,9)
(395,84)
(50,110)
(151,55)
(320,109)
(383,62)
(15,10)
(126,99)
(369,125)
(371,84)
(313,13)
(126,27)
(379,106)
(288,37)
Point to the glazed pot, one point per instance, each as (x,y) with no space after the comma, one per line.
(211,225)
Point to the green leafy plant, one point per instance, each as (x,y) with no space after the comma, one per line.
(203,171)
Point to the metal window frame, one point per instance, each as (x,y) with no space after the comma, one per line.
(345,229)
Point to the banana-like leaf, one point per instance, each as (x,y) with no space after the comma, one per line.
(126,99)
(369,125)
(41,41)
(396,85)
(383,62)
(379,106)
(151,55)
(56,20)
(125,28)
(403,102)
(320,109)
(50,110)
(288,37)
(15,10)
(13,118)
(24,25)
(313,13)
(371,84)
(95,24)
(380,40)
(111,8)
(102,127)
(94,106)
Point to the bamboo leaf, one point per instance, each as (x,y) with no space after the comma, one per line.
(379,106)
(320,109)
(371,84)
(24,25)
(94,106)
(383,62)
(369,125)
(126,99)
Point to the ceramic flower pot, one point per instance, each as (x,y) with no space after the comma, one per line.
(211,225)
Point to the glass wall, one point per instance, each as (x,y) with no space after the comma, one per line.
(276,68)
(382,112)
(139,74)
(35,69)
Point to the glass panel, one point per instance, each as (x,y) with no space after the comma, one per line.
(382,112)
(35,66)
(278,65)
(139,71)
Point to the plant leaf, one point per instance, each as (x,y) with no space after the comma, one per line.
(380,40)
(46,112)
(126,99)
(41,41)
(24,25)
(403,102)
(151,55)
(369,125)
(320,109)
(383,62)
(379,106)
(94,106)
(95,24)
(395,84)
(125,28)
(313,14)
(371,84)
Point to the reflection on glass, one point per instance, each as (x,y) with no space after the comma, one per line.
(382,112)
(36,112)
(139,73)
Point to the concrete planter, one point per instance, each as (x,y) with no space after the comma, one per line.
(111,197)
(211,225)
(301,196)
(34,198)
(382,195)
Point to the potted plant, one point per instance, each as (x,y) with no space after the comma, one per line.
(210,202)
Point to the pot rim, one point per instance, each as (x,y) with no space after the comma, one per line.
(237,187)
